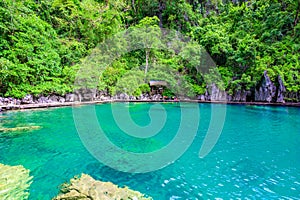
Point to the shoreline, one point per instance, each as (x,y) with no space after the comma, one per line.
(10,107)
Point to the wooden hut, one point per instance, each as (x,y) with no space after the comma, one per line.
(157,86)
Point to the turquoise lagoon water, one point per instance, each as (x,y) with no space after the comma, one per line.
(256,157)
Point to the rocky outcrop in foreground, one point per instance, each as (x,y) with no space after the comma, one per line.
(14,182)
(88,188)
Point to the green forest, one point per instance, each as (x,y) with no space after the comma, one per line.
(44,43)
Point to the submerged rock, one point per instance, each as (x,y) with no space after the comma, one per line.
(20,128)
(14,182)
(86,187)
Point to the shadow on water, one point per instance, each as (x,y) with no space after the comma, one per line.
(275,109)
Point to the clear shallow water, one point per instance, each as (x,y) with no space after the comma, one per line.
(256,157)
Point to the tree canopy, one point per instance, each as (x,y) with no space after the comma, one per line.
(43,43)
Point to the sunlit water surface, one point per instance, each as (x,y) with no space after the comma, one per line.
(257,155)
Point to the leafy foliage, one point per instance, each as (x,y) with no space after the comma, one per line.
(43,42)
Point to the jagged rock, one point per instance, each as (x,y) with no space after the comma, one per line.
(18,102)
(123,96)
(280,91)
(54,98)
(8,101)
(241,95)
(132,98)
(207,96)
(156,97)
(28,99)
(215,94)
(229,97)
(86,187)
(104,98)
(14,182)
(70,97)
(61,100)
(293,96)
(201,97)
(144,97)
(85,94)
(42,99)
(265,90)
(237,95)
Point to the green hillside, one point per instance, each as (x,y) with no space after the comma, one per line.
(43,43)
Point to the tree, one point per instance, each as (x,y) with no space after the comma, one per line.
(146,35)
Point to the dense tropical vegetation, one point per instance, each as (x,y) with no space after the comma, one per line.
(44,41)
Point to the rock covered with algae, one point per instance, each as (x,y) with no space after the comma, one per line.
(14,182)
(20,128)
(88,188)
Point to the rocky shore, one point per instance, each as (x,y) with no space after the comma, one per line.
(266,92)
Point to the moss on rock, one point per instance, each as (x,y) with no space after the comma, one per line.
(20,128)
(14,182)
(85,187)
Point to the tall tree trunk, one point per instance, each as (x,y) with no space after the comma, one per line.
(147,61)
(133,6)
(202,4)
(160,11)
(297,14)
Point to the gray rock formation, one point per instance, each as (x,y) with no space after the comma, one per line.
(156,97)
(42,99)
(241,95)
(28,99)
(53,98)
(70,97)
(265,90)
(207,96)
(280,91)
(213,93)
(293,96)
(229,98)
(201,97)
(85,94)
